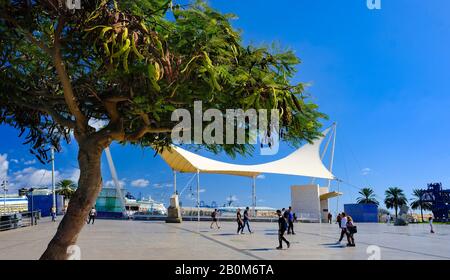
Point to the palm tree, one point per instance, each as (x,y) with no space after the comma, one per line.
(66,188)
(418,203)
(395,198)
(367,196)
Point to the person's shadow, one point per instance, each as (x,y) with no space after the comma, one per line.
(333,245)
(260,249)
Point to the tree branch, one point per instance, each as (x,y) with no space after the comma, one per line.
(58,118)
(135,136)
(28,34)
(69,95)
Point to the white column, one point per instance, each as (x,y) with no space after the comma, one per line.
(115,178)
(198,195)
(332,153)
(174,181)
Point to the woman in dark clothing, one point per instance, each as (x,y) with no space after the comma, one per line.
(239,221)
(282,226)
(338,220)
(351,228)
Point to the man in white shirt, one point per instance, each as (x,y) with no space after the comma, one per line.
(343,227)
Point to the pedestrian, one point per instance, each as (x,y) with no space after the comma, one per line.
(282,225)
(246,221)
(330,217)
(388,218)
(239,221)
(53,213)
(36,217)
(92,215)
(214,218)
(285,213)
(290,219)
(343,227)
(351,228)
(430,219)
(338,220)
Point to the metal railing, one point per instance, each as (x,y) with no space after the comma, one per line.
(18,220)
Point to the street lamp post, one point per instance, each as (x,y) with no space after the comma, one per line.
(5,189)
(32,213)
(53,183)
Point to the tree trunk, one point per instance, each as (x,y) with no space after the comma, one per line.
(396,212)
(89,186)
(421,212)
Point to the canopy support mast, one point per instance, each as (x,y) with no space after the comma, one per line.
(198,195)
(254,196)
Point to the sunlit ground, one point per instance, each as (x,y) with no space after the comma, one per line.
(111,239)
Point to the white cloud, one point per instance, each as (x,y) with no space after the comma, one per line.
(72,175)
(140,183)
(32,177)
(160,185)
(4,165)
(202,190)
(261,176)
(110,184)
(30,162)
(232,198)
(366,171)
(14,160)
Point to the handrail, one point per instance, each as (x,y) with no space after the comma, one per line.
(18,220)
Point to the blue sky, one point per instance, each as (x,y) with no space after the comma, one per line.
(382,75)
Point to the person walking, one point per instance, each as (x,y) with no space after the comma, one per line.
(290,219)
(239,221)
(282,225)
(53,213)
(388,218)
(246,221)
(214,218)
(430,220)
(92,215)
(339,219)
(343,225)
(351,229)
(330,217)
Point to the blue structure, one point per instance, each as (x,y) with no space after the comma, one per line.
(439,199)
(44,203)
(362,213)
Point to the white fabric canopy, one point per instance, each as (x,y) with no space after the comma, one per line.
(305,161)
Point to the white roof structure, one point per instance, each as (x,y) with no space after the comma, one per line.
(305,161)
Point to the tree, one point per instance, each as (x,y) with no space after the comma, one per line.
(66,188)
(130,64)
(367,196)
(395,198)
(418,203)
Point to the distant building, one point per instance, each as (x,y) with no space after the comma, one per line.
(310,202)
(13,204)
(42,200)
(362,213)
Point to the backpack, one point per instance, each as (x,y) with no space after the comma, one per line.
(213,214)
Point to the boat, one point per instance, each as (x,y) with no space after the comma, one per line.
(144,206)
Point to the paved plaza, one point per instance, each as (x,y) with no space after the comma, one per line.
(114,239)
